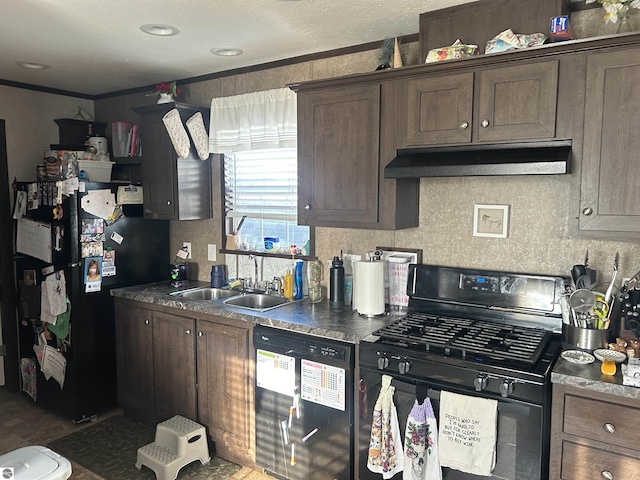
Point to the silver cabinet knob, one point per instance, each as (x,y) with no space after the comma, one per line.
(187,331)
(485,123)
(200,333)
(609,428)
(146,322)
(480,382)
(587,211)
(168,202)
(307,207)
(606,474)
(464,125)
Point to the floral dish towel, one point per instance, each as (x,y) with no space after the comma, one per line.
(421,444)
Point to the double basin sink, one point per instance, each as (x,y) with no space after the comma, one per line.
(258,302)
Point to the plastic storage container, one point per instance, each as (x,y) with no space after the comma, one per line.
(119,138)
(95,171)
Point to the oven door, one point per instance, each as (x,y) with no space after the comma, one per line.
(522,443)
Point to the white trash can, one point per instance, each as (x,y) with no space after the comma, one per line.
(34,463)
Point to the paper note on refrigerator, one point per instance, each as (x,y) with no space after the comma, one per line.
(34,239)
(99,203)
(54,364)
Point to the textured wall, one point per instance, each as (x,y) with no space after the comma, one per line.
(30,127)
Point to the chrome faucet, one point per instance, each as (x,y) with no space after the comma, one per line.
(255,271)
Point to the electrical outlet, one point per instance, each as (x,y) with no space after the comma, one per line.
(211,252)
(187,245)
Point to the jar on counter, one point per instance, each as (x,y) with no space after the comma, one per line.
(314,272)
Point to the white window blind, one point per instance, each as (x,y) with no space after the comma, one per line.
(262,184)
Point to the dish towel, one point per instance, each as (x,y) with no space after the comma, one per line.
(385,446)
(467,437)
(421,444)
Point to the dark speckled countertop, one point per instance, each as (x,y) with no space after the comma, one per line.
(588,377)
(318,319)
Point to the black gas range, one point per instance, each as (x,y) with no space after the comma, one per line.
(487,331)
(477,333)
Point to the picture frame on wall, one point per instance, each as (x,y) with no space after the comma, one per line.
(490,221)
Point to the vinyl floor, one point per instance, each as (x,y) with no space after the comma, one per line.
(23,423)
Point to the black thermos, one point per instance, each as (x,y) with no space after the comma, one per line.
(336,281)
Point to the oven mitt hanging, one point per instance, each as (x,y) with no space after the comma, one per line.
(199,135)
(421,444)
(385,446)
(177,133)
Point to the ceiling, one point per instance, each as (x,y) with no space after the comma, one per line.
(95,47)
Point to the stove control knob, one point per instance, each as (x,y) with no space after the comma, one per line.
(506,387)
(383,362)
(404,366)
(480,382)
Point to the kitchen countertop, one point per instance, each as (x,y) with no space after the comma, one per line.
(319,319)
(588,377)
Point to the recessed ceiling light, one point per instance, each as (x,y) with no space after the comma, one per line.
(33,65)
(160,30)
(227,52)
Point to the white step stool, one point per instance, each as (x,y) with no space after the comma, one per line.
(179,441)
(34,463)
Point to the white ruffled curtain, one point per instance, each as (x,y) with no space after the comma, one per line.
(253,121)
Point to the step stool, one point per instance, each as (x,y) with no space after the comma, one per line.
(179,441)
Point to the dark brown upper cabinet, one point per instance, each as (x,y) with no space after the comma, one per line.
(505,103)
(346,135)
(174,188)
(610,197)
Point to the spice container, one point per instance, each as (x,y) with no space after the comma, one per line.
(314,270)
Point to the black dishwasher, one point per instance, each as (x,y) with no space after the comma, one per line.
(304,405)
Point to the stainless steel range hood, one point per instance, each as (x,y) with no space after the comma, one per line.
(523,158)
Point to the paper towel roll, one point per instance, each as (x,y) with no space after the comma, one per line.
(368,288)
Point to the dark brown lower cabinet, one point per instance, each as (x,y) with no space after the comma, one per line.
(171,363)
(594,435)
(225,388)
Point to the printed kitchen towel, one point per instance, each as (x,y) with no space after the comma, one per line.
(467,437)
(385,446)
(421,444)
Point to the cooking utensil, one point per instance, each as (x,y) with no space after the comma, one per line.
(582,300)
(235,232)
(609,294)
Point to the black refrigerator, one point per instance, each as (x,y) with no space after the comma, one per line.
(126,249)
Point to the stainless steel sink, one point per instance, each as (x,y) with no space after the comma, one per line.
(258,302)
(206,293)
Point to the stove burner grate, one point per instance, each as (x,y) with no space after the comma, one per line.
(465,337)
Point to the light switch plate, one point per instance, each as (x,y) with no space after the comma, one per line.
(211,252)
(187,245)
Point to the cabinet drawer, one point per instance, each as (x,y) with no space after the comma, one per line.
(580,462)
(593,419)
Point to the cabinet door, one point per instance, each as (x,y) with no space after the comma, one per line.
(610,197)
(174,365)
(338,155)
(225,386)
(517,102)
(134,356)
(439,110)
(159,169)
